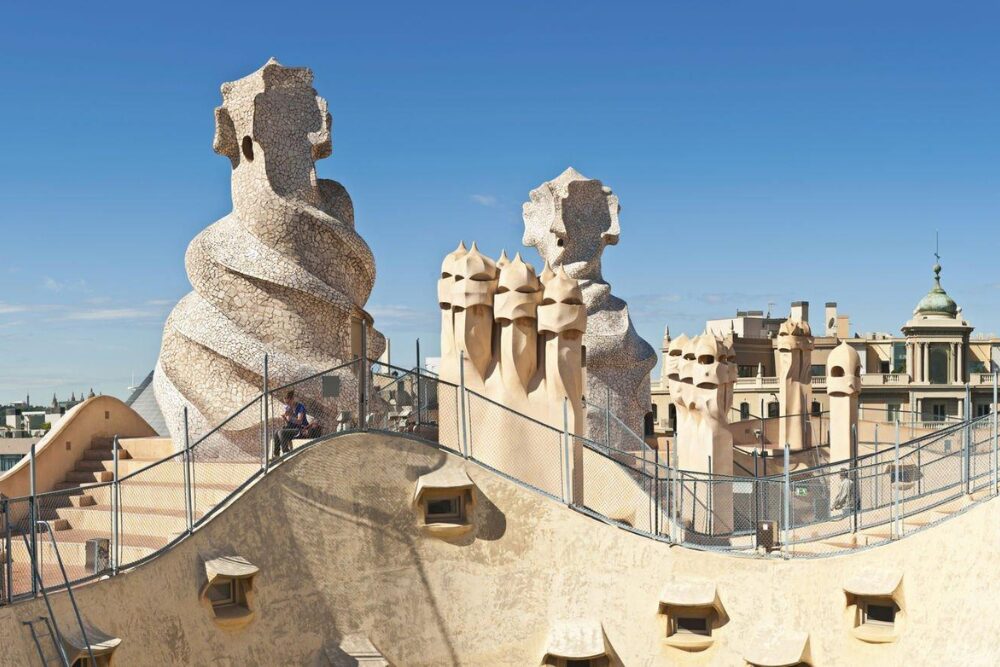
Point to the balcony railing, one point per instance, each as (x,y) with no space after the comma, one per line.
(868,380)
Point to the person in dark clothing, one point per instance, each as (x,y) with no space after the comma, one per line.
(296,424)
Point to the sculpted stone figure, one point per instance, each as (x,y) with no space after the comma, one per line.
(795,345)
(569,221)
(518,339)
(843,384)
(700,380)
(284,273)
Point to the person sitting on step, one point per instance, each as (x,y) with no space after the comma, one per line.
(296,424)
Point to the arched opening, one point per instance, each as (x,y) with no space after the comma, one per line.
(247,147)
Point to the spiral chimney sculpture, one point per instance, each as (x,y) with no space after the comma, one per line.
(284,273)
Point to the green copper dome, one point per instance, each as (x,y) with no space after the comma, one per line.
(937,301)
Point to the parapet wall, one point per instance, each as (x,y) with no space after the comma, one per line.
(335,536)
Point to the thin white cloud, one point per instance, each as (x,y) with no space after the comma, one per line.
(9,308)
(484,200)
(52,284)
(160,302)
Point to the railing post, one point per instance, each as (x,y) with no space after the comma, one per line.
(897,530)
(994,434)
(115,509)
(419,389)
(656,490)
(787,493)
(8,561)
(675,490)
(709,498)
(265,398)
(363,380)
(856,486)
(569,482)
(875,458)
(607,417)
(187,473)
(756,499)
(33,517)
(966,446)
(461,400)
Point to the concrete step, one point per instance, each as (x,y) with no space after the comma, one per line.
(84,500)
(50,573)
(102,442)
(173,471)
(98,454)
(73,546)
(152,448)
(153,522)
(85,477)
(162,495)
(91,465)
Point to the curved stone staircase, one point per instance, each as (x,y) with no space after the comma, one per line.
(152,504)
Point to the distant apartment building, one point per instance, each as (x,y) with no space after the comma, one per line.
(921,375)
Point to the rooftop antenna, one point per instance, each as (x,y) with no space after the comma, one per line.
(770,306)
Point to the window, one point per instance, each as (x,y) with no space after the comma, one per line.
(892,412)
(816,408)
(899,357)
(222,593)
(444,509)
(940,360)
(818,370)
(772,409)
(228,593)
(744,411)
(938,412)
(692,625)
(746,370)
(874,613)
(883,367)
(983,409)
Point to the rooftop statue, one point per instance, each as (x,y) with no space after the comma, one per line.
(795,345)
(284,273)
(569,221)
(701,380)
(515,339)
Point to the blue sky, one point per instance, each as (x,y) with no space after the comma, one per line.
(763,152)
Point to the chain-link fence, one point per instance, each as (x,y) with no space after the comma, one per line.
(135,507)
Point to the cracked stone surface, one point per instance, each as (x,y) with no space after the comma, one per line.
(285,273)
(570,220)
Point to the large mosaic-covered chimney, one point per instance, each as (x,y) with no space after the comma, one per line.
(284,273)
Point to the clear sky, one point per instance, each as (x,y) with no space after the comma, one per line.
(763,152)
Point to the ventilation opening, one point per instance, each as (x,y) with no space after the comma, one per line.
(560,243)
(248,148)
(444,509)
(692,625)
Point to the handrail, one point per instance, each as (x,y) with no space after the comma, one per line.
(636,463)
(69,591)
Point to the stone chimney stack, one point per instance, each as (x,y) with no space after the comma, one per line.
(800,311)
(831,318)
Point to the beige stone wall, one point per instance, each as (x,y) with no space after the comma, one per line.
(58,452)
(339,552)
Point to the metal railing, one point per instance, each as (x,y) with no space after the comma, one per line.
(149,505)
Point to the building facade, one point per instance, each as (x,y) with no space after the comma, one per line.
(923,375)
